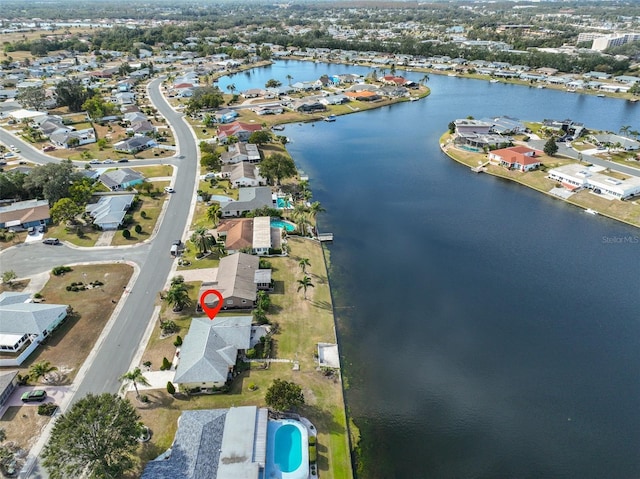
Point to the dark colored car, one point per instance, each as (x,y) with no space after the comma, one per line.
(37,395)
(53,241)
(123,160)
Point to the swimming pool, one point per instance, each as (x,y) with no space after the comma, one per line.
(283,224)
(287,450)
(283,203)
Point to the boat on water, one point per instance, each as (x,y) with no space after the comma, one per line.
(601,95)
(277,127)
(413,98)
(541,86)
(590,211)
(330,118)
(494,80)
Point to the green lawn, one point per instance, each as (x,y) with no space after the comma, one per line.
(303,323)
(152,206)
(88,236)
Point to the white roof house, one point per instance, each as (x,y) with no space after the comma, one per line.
(261,235)
(109,211)
(25,324)
(579,176)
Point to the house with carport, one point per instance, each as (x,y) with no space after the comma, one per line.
(109,212)
(24,214)
(249,199)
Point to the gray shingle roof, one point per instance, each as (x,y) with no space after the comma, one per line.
(249,199)
(28,318)
(195,452)
(110,209)
(119,177)
(211,348)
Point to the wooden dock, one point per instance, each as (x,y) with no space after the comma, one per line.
(480,168)
(325,237)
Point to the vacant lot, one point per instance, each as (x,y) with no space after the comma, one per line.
(69,345)
(23,425)
(303,323)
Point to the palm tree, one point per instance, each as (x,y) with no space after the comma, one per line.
(203,240)
(299,216)
(303,263)
(315,208)
(231,87)
(136,377)
(178,297)
(305,283)
(41,369)
(424,79)
(213,213)
(289,78)
(625,129)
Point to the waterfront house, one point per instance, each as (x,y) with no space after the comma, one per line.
(24,214)
(121,179)
(25,325)
(243,174)
(241,151)
(472,126)
(575,176)
(249,234)
(249,199)
(519,158)
(210,350)
(242,131)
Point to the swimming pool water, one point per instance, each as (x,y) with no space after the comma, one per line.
(283,203)
(288,448)
(282,224)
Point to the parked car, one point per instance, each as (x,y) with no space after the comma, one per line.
(168,189)
(37,395)
(177,242)
(52,241)
(94,162)
(123,160)
(41,229)
(48,148)
(31,230)
(108,161)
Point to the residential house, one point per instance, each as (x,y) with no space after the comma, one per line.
(308,105)
(249,234)
(236,281)
(472,126)
(24,214)
(142,128)
(8,383)
(225,115)
(25,325)
(269,110)
(519,158)
(243,174)
(135,144)
(68,139)
(362,95)
(575,176)
(249,199)
(109,212)
(210,350)
(121,179)
(616,141)
(242,131)
(241,151)
(219,444)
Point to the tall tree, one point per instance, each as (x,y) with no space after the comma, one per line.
(135,377)
(65,210)
(284,395)
(203,240)
(51,181)
(304,284)
(31,97)
(315,208)
(550,147)
(260,137)
(213,213)
(276,167)
(303,263)
(72,94)
(96,438)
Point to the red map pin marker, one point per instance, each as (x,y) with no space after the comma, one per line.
(211,312)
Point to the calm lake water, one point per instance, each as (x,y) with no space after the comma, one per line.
(486,330)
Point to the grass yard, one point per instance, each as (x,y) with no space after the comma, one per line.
(8,239)
(68,346)
(223,187)
(303,323)
(88,236)
(154,171)
(23,425)
(152,206)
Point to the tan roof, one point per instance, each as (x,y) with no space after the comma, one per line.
(25,211)
(240,235)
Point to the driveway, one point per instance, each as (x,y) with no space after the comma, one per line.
(55,394)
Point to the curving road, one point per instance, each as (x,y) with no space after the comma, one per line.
(122,341)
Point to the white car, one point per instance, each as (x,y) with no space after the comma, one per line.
(168,189)
(94,162)
(108,161)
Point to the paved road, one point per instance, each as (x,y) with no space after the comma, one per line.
(564,150)
(123,340)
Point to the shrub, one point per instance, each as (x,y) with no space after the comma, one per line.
(47,409)
(165,365)
(37,296)
(138,229)
(126,234)
(178,341)
(143,213)
(171,389)
(147,364)
(312,440)
(313,454)
(144,398)
(60,270)
(251,353)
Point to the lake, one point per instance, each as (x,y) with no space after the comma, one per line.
(486,330)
